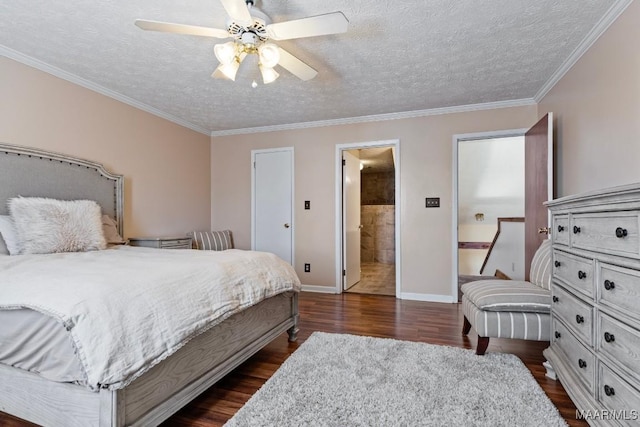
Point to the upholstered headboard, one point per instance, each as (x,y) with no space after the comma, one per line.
(30,172)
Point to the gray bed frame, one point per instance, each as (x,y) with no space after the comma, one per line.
(168,386)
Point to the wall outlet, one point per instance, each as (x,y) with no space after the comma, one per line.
(432,202)
(307,204)
(307,268)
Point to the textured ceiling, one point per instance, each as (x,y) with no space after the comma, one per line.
(397,56)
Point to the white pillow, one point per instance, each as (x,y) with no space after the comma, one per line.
(8,236)
(49,226)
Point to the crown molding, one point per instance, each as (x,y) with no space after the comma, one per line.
(65,75)
(612,14)
(379,117)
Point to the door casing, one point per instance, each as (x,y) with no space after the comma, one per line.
(395,143)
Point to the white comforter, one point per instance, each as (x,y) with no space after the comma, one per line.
(129,308)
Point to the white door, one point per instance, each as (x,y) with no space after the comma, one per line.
(351,227)
(273,202)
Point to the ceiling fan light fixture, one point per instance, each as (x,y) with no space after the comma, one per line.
(229,70)
(225,52)
(269,75)
(269,55)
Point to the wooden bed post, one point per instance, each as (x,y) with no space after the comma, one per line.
(111,408)
(293,331)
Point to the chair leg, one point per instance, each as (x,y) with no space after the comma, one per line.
(483,343)
(466,327)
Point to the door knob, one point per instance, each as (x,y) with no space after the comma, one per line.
(287,225)
(543,230)
(360,227)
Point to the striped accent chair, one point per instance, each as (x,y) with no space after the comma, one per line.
(511,308)
(211,240)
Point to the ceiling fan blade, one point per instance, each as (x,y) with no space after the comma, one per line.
(238,11)
(295,66)
(330,23)
(193,30)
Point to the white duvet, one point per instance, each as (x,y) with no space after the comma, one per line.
(129,308)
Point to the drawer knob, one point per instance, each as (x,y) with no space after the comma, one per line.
(582,275)
(555,299)
(576,229)
(609,285)
(582,364)
(609,391)
(609,337)
(579,319)
(560,229)
(557,263)
(621,232)
(558,335)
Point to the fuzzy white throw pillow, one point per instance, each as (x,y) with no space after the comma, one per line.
(49,226)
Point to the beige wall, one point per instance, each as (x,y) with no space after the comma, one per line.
(426,170)
(166,166)
(597,106)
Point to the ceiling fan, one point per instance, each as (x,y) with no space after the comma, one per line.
(252,32)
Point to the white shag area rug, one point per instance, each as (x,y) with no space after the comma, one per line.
(348,380)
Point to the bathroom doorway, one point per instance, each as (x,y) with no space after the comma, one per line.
(369,220)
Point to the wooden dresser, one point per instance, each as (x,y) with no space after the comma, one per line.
(595,315)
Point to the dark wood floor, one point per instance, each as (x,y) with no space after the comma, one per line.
(377,316)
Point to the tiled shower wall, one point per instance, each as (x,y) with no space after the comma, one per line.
(377,242)
(378,188)
(377,216)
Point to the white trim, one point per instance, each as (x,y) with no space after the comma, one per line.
(319,289)
(612,14)
(293,193)
(70,77)
(395,143)
(380,117)
(550,166)
(429,297)
(454,228)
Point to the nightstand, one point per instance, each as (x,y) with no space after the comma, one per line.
(162,242)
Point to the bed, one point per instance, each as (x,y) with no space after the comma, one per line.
(159,390)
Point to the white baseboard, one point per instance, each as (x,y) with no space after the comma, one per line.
(319,289)
(428,297)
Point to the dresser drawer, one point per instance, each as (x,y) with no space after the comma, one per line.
(560,230)
(574,313)
(620,289)
(618,396)
(614,233)
(578,357)
(576,272)
(619,342)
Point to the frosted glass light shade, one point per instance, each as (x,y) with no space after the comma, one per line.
(225,52)
(269,75)
(269,55)
(229,70)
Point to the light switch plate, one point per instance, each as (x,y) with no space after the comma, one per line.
(432,202)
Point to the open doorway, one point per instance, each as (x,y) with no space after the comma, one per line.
(368,218)
(490,208)
(539,186)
